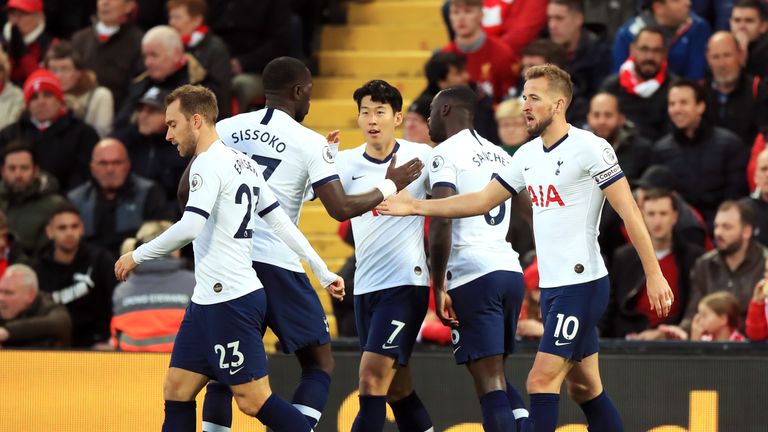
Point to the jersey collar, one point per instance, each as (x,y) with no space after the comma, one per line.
(386,159)
(554,146)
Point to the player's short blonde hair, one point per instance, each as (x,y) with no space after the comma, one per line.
(559,81)
(195,99)
(510,108)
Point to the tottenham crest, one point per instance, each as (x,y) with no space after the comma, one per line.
(196,182)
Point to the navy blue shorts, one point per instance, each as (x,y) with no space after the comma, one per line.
(223,341)
(571,314)
(388,321)
(487,309)
(294,311)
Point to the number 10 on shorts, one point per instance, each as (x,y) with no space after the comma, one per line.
(568,325)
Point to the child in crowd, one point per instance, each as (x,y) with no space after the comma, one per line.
(718,319)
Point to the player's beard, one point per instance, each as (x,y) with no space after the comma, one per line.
(539,127)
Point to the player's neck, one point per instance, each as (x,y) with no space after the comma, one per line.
(554,132)
(207,137)
(282,106)
(380,151)
(455,127)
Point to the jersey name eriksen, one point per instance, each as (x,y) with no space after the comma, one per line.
(256,135)
(541,199)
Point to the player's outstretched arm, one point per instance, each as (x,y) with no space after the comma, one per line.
(174,238)
(294,239)
(440,242)
(457,206)
(341,206)
(621,199)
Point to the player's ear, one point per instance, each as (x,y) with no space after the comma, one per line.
(398,118)
(445,110)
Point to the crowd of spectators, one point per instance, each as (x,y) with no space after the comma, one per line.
(678,87)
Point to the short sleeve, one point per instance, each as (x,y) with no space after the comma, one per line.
(599,159)
(321,165)
(267,200)
(511,176)
(204,186)
(442,171)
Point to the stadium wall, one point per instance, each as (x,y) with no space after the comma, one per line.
(91,391)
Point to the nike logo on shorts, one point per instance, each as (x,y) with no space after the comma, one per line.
(456,349)
(385,346)
(558,343)
(232,372)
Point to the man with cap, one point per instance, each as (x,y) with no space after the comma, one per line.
(690,226)
(62,143)
(114,203)
(24,37)
(151,156)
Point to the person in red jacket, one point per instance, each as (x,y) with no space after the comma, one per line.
(490,62)
(24,37)
(757,314)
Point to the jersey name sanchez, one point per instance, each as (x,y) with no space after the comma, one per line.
(466,162)
(293,160)
(565,184)
(226,188)
(389,250)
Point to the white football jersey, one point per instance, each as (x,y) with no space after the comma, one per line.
(565,183)
(227,188)
(293,159)
(389,250)
(466,163)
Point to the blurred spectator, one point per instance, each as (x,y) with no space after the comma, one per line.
(530,325)
(28,317)
(150,13)
(757,147)
(167,67)
(111,47)
(689,228)
(445,70)
(27,196)
(736,265)
(415,127)
(79,276)
(629,312)
(188,18)
(512,130)
(490,63)
(587,52)
(256,32)
(611,13)
(151,156)
(538,52)
(685,34)
(24,37)
(715,12)
(62,143)
(149,306)
(10,253)
(114,203)
(642,84)
(64,17)
(344,310)
(757,315)
(607,121)
(83,95)
(749,24)
(760,197)
(736,100)
(708,161)
(718,319)
(11,96)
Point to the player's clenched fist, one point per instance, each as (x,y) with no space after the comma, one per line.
(124,266)
(405,174)
(336,289)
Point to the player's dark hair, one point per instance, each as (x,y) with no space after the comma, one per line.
(758,5)
(195,99)
(195,8)
(550,51)
(654,29)
(572,5)
(18,146)
(698,91)
(461,97)
(61,208)
(380,91)
(744,207)
(283,74)
(437,67)
(659,193)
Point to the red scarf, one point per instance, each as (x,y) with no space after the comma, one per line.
(191,40)
(634,85)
